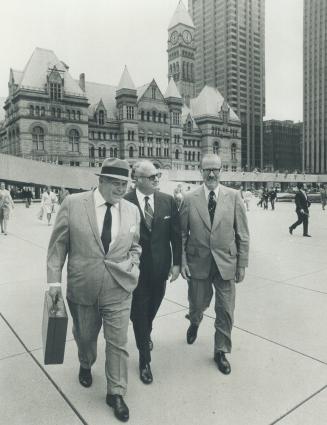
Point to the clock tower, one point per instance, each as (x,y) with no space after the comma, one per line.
(181,51)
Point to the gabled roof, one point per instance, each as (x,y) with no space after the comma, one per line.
(126,81)
(37,68)
(172,90)
(187,115)
(209,103)
(141,90)
(181,16)
(96,92)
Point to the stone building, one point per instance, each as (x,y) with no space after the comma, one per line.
(52,117)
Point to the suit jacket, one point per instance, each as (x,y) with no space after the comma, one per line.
(226,241)
(301,202)
(76,235)
(163,245)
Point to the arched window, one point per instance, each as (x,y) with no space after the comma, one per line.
(37,111)
(176,154)
(101,117)
(91,152)
(115,152)
(216,148)
(193,156)
(189,126)
(38,138)
(131,152)
(58,113)
(165,118)
(74,115)
(74,140)
(159,117)
(42,111)
(78,115)
(104,152)
(142,115)
(31,110)
(185,156)
(189,156)
(111,152)
(170,70)
(233,151)
(68,114)
(148,116)
(154,116)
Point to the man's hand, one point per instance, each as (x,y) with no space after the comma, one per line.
(240,274)
(174,272)
(55,292)
(185,271)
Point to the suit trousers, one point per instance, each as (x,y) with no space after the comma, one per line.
(147,299)
(113,311)
(302,218)
(200,293)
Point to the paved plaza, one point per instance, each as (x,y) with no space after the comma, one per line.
(279,358)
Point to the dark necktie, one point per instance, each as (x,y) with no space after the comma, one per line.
(106,229)
(148,213)
(212,205)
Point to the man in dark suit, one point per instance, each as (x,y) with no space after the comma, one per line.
(215,253)
(99,231)
(302,210)
(160,239)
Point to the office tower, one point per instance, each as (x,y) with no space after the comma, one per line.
(315,85)
(230,55)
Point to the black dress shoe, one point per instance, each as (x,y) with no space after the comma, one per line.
(192,333)
(290,230)
(150,344)
(146,374)
(120,408)
(308,236)
(85,377)
(222,362)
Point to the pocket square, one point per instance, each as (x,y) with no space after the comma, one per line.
(167,216)
(132,229)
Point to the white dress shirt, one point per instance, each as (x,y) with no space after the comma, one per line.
(140,197)
(100,212)
(207,191)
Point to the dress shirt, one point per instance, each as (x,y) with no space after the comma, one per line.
(140,197)
(207,191)
(100,211)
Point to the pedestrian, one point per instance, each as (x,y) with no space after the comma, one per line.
(302,205)
(179,198)
(6,205)
(29,197)
(323,196)
(160,239)
(260,196)
(215,251)
(247,199)
(48,201)
(265,197)
(272,197)
(99,232)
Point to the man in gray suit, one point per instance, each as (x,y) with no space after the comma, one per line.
(215,253)
(99,232)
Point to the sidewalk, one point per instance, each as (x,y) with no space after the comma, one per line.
(279,358)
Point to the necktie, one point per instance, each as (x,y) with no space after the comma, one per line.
(212,205)
(106,229)
(148,213)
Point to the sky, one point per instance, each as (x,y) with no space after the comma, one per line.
(100,37)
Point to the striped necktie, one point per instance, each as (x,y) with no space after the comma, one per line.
(148,213)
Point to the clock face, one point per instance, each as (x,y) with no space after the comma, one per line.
(174,37)
(187,36)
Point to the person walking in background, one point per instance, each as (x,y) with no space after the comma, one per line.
(6,205)
(247,199)
(99,232)
(215,240)
(29,197)
(265,196)
(48,201)
(160,239)
(260,196)
(323,196)
(302,205)
(179,198)
(272,197)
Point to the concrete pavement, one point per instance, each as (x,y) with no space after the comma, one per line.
(279,358)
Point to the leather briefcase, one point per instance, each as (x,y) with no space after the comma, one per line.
(54,329)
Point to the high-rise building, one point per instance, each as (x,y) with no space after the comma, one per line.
(315,85)
(230,55)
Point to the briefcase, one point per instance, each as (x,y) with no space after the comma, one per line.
(54,329)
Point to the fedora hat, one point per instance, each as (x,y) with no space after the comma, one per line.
(115,168)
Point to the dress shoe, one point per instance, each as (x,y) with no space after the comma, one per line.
(120,408)
(150,344)
(146,374)
(85,377)
(222,362)
(290,230)
(308,236)
(192,333)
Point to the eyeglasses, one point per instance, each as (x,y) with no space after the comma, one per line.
(209,170)
(153,177)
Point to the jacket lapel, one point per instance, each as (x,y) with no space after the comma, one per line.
(219,207)
(90,210)
(202,206)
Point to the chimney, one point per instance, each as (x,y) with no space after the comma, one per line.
(82,81)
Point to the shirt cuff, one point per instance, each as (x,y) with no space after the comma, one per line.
(55,284)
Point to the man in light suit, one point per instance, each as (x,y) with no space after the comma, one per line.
(161,241)
(99,232)
(215,253)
